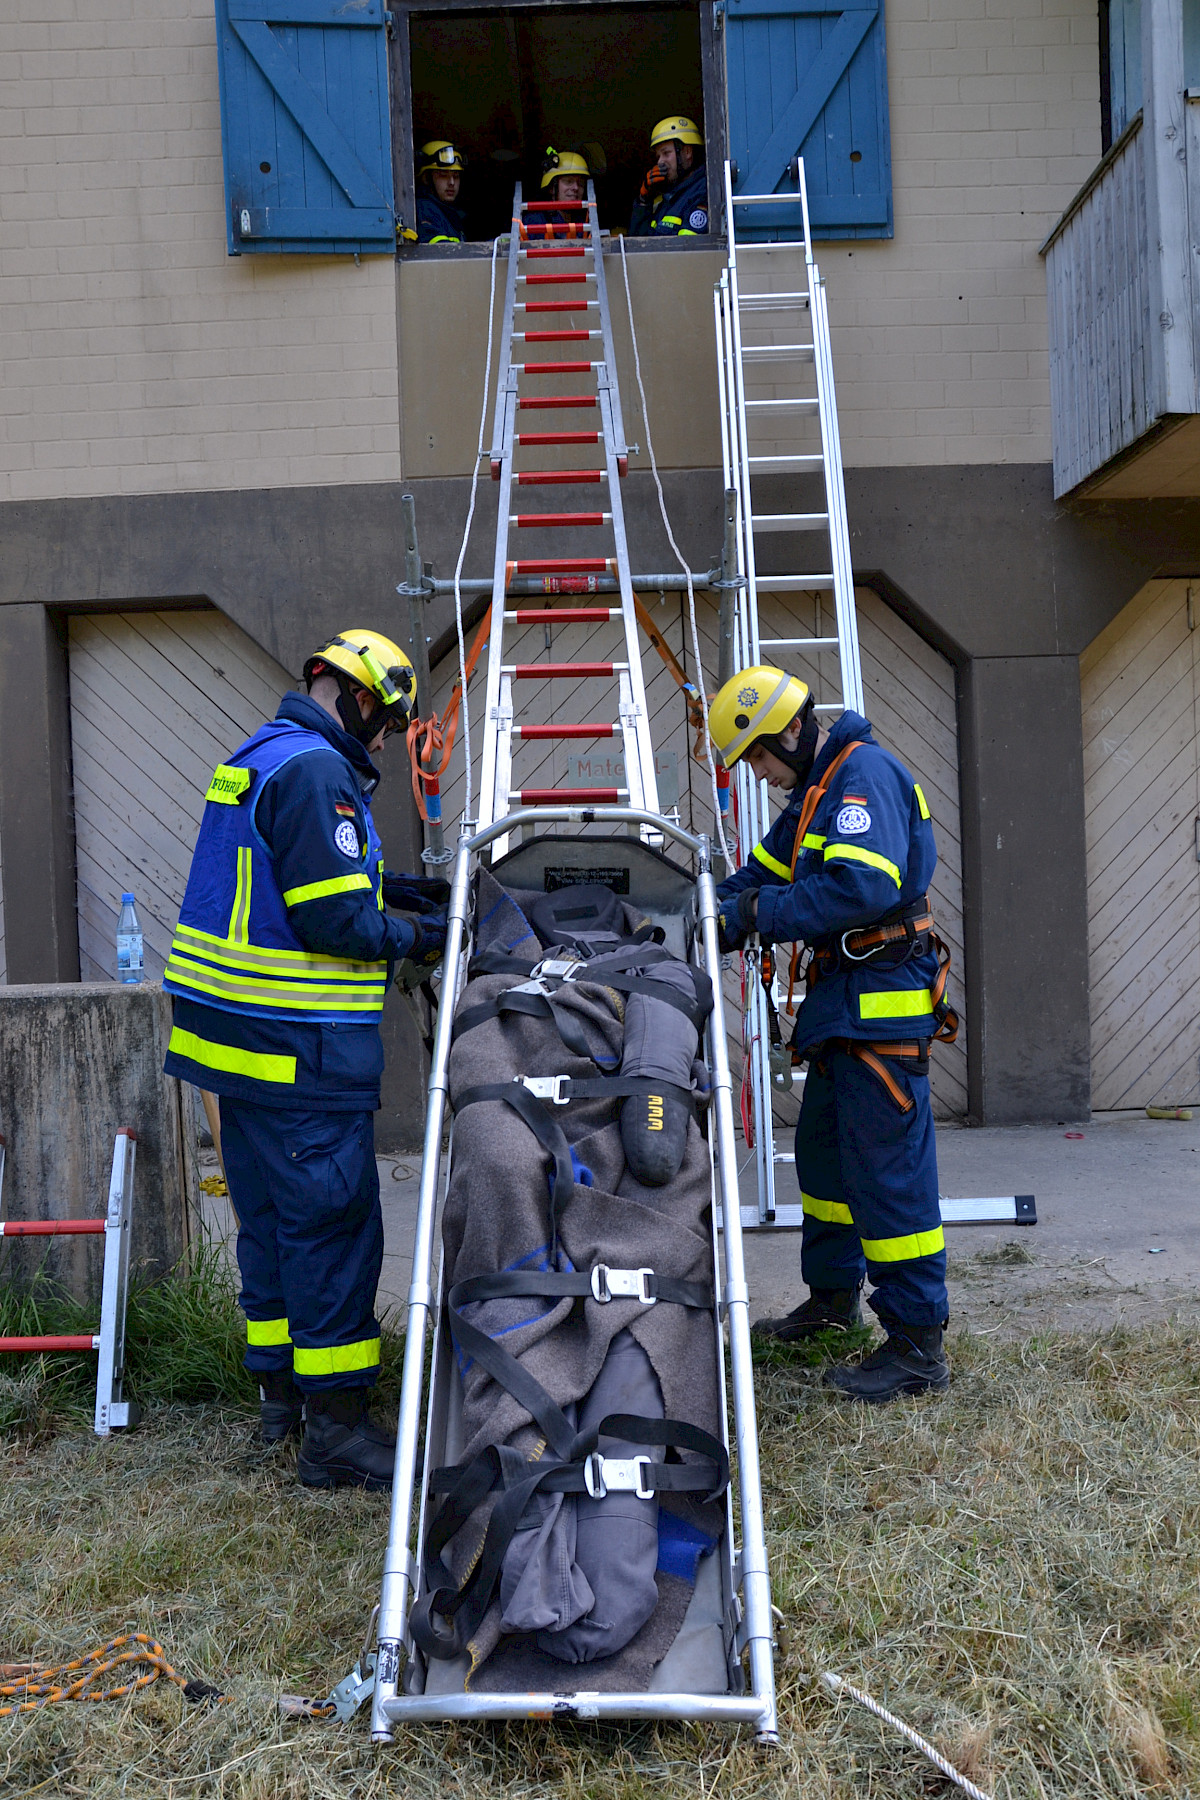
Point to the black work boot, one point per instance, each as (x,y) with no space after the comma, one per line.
(280,1406)
(341,1447)
(826,1309)
(912,1361)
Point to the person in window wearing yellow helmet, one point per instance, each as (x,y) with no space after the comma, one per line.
(564,178)
(279,966)
(845,869)
(439,178)
(673,200)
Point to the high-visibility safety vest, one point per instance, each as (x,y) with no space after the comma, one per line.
(234,946)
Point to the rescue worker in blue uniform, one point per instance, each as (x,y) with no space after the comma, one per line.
(845,869)
(564,179)
(439,178)
(673,199)
(279,966)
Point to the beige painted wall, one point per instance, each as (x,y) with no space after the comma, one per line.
(442,308)
(136,356)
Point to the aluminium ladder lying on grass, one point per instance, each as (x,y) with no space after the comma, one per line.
(113,1411)
(738,1619)
(747,313)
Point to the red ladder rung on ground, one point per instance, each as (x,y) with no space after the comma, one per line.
(50,1227)
(34,1344)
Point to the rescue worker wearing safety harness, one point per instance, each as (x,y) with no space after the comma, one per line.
(439,177)
(845,869)
(673,199)
(279,967)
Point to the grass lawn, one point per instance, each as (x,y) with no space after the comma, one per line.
(1013,1568)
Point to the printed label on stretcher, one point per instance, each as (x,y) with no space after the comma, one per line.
(616,879)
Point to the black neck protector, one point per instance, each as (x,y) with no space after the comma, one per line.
(353,723)
(801,759)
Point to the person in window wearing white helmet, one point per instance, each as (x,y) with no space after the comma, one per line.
(845,869)
(673,200)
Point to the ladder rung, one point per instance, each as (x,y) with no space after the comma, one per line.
(560,477)
(792,584)
(597,730)
(796,405)
(563,565)
(542,401)
(554,206)
(825,643)
(554,671)
(811,460)
(556,796)
(784,352)
(765,200)
(558,250)
(556,306)
(554,337)
(789,521)
(561,437)
(554,279)
(793,300)
(562,615)
(561,368)
(557,521)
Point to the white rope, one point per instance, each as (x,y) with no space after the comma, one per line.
(836,1684)
(458,617)
(730,861)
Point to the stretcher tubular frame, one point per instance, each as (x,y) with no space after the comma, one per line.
(745,1567)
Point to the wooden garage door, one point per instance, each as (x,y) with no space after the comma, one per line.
(911,702)
(1140,682)
(157,700)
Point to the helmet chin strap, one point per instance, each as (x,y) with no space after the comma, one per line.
(801,759)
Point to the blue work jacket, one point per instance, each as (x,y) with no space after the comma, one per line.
(438,223)
(867,853)
(680,211)
(283,953)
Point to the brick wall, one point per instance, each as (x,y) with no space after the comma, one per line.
(940,336)
(135,355)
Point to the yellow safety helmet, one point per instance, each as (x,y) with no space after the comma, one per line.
(760,702)
(440,157)
(686,130)
(563,162)
(373,662)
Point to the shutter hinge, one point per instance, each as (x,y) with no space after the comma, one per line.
(389,24)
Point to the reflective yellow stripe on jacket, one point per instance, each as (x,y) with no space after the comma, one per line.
(230,1060)
(233,969)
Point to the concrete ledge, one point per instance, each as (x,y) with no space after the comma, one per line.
(76,1061)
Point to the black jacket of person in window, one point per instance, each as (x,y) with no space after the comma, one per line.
(438,223)
(680,211)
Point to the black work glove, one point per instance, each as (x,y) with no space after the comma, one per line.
(655,182)
(430,928)
(414,893)
(737,917)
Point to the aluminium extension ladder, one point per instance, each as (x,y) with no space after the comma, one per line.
(539,261)
(405,1688)
(746,324)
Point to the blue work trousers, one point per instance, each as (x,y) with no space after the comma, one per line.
(305,1189)
(869,1187)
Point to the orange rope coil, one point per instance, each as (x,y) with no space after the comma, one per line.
(41,1684)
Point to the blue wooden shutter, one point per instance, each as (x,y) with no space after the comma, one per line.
(809,78)
(305,127)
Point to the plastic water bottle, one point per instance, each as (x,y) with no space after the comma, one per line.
(129,942)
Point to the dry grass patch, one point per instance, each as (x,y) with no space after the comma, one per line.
(1014,1569)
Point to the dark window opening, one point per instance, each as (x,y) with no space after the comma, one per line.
(504,86)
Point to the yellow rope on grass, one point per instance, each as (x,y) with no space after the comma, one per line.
(41,1684)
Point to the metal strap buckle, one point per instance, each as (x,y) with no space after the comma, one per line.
(556,968)
(617,1475)
(622,1284)
(547,1087)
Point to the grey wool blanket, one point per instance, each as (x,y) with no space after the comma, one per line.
(498,1216)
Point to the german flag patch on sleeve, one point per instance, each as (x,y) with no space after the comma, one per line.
(343,809)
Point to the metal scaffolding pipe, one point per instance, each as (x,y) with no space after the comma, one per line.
(523,585)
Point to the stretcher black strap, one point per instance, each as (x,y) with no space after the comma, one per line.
(520,1284)
(537,1006)
(572,1087)
(446,1617)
